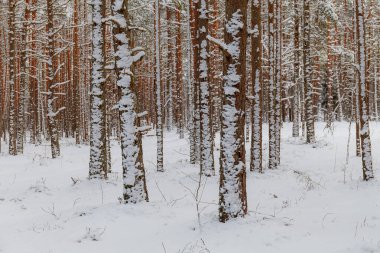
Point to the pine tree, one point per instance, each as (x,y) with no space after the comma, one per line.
(12,78)
(98,149)
(51,83)
(232,189)
(256,77)
(179,74)
(76,74)
(190,81)
(22,82)
(309,115)
(272,113)
(159,108)
(131,144)
(206,142)
(278,81)
(362,103)
(296,75)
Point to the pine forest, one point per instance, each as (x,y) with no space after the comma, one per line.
(189,126)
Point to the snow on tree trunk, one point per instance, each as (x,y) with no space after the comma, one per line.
(51,82)
(256,77)
(363,106)
(296,75)
(33,84)
(22,84)
(169,72)
(273,87)
(2,92)
(232,189)
(216,65)
(98,166)
(196,95)
(190,82)
(278,81)
(159,108)
(131,144)
(206,143)
(179,75)
(329,77)
(76,74)
(12,78)
(308,87)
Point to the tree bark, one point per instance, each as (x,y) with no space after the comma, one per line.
(232,189)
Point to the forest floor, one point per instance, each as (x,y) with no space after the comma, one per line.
(314,202)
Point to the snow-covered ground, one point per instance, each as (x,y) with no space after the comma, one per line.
(313,203)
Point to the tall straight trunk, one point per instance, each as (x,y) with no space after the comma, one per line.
(307,74)
(23,84)
(76,74)
(278,80)
(377,84)
(190,82)
(33,84)
(159,108)
(232,189)
(376,87)
(272,113)
(134,182)
(179,75)
(296,75)
(51,82)
(169,72)
(98,166)
(206,143)
(329,77)
(215,68)
(2,89)
(340,84)
(257,93)
(363,107)
(196,89)
(12,78)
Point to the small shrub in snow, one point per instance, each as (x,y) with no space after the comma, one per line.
(93,234)
(39,186)
(197,247)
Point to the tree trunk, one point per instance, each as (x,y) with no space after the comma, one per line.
(51,82)
(296,75)
(12,79)
(256,78)
(179,76)
(159,127)
(206,143)
(309,115)
(363,107)
(131,144)
(232,189)
(98,132)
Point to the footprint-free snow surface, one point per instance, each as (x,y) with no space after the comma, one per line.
(315,202)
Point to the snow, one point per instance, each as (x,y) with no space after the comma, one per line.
(312,203)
